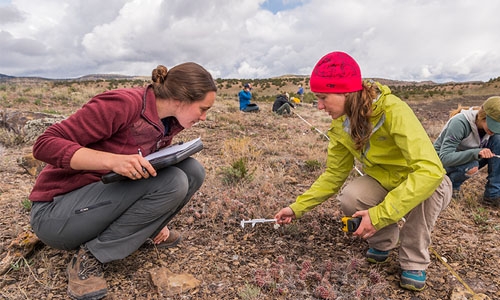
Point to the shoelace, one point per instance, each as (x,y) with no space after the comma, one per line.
(89,266)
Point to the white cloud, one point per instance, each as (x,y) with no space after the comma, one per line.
(438,40)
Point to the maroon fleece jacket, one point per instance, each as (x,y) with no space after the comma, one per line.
(120,121)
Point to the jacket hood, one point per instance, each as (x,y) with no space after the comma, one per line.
(470,114)
(378,110)
(474,138)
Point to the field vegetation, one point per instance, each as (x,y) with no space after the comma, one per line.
(256,164)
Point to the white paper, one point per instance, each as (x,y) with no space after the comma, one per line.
(171,149)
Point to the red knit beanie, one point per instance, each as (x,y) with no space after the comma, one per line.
(336,73)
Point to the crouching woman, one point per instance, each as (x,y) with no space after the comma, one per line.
(73,209)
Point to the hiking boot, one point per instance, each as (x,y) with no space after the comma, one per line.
(85,276)
(174,237)
(413,280)
(376,256)
(493,202)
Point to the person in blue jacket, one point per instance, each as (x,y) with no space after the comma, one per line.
(300,92)
(245,95)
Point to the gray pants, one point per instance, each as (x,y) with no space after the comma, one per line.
(415,236)
(115,219)
(284,109)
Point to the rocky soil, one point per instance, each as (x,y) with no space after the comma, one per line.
(309,259)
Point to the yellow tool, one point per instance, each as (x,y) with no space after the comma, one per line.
(350,224)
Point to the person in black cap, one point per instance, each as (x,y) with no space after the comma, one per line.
(469,141)
(245,95)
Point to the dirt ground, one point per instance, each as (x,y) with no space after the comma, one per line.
(309,259)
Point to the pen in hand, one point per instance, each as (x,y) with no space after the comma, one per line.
(143,168)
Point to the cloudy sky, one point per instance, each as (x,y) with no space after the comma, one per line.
(439,40)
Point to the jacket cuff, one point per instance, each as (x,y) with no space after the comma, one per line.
(296,210)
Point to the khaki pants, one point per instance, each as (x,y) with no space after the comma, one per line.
(415,235)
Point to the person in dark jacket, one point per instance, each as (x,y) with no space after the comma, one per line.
(282,105)
(73,209)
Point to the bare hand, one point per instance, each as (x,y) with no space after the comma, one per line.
(133,166)
(162,235)
(366,228)
(285,216)
(486,153)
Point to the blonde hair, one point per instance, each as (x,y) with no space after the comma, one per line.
(358,107)
(481,114)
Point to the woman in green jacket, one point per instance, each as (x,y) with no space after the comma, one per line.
(404,178)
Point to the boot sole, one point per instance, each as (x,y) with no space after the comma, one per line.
(411,287)
(92,296)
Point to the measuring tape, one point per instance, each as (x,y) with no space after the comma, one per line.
(474,295)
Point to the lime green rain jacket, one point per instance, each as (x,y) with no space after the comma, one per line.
(399,155)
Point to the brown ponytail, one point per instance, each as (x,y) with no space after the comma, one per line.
(358,108)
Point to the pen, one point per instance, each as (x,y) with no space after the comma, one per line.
(143,168)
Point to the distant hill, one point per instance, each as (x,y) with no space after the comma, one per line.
(105,77)
(291,76)
(3,76)
(82,78)
(93,77)
(393,82)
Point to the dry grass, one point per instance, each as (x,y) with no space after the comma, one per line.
(309,259)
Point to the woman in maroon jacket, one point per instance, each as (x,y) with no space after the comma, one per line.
(73,209)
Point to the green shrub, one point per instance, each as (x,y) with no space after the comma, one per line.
(237,172)
(26,204)
(249,292)
(312,165)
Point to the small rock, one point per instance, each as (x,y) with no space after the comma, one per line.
(31,164)
(170,284)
